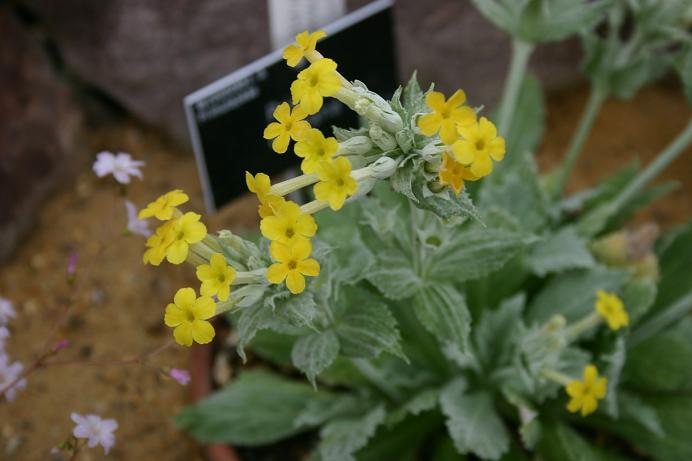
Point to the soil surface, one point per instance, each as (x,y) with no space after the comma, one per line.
(115,306)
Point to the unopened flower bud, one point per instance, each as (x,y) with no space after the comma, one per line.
(357,145)
(431,151)
(611,249)
(382,139)
(435,187)
(383,167)
(647,268)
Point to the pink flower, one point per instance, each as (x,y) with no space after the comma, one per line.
(181,376)
(8,373)
(72,264)
(134,224)
(96,430)
(6,311)
(60,345)
(120,165)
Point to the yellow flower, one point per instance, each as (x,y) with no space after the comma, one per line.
(480,143)
(610,307)
(585,394)
(292,264)
(305,43)
(336,183)
(288,224)
(446,115)
(314,83)
(188,315)
(158,243)
(260,185)
(454,173)
(314,148)
(290,126)
(216,277)
(187,230)
(163,207)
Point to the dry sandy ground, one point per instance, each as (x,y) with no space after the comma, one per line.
(116,304)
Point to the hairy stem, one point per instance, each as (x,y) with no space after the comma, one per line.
(593,107)
(585,324)
(521,51)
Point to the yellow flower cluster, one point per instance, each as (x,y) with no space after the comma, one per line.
(173,240)
(283,222)
(473,144)
(611,309)
(584,394)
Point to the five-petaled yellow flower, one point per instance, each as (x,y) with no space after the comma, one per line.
(586,393)
(446,115)
(314,148)
(288,224)
(158,244)
(479,144)
(610,307)
(188,315)
(305,43)
(336,183)
(317,81)
(216,277)
(292,264)
(187,230)
(290,125)
(454,173)
(260,185)
(164,207)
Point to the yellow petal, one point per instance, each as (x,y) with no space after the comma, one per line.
(575,389)
(184,297)
(174,316)
(183,334)
(574,404)
(588,405)
(435,100)
(280,143)
(273,130)
(224,293)
(277,272)
(293,55)
(204,308)
(464,152)
(280,252)
(590,374)
(496,149)
(482,166)
(295,282)
(306,226)
(448,131)
(282,113)
(177,252)
(202,331)
(301,249)
(309,267)
(464,116)
(204,272)
(600,388)
(457,99)
(429,124)
(486,128)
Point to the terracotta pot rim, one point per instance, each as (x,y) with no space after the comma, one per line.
(200,387)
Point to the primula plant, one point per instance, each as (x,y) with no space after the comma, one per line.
(441,297)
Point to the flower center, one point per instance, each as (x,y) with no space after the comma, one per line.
(314,80)
(339,182)
(189,316)
(480,144)
(292,264)
(221,278)
(289,125)
(290,232)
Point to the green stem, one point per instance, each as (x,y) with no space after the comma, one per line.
(556,376)
(593,106)
(586,323)
(665,318)
(521,51)
(670,153)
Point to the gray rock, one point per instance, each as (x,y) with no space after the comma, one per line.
(148,54)
(39,121)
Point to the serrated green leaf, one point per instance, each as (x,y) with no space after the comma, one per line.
(497,332)
(445,204)
(518,192)
(475,253)
(442,310)
(393,274)
(425,400)
(414,99)
(402,180)
(559,252)
(341,439)
(257,408)
(313,353)
(572,294)
(473,422)
(367,326)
